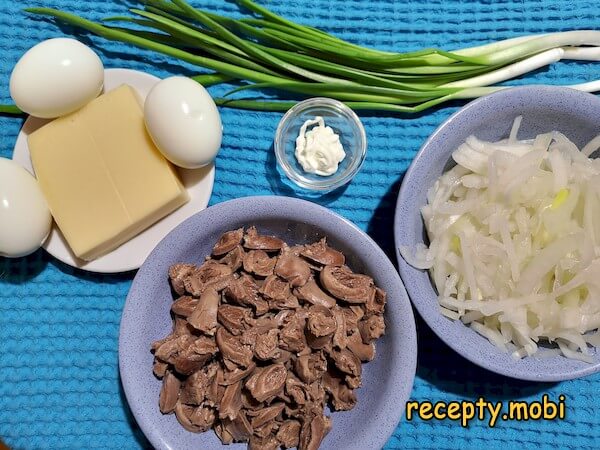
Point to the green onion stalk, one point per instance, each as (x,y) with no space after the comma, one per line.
(267,51)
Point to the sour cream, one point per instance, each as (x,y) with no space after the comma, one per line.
(319,149)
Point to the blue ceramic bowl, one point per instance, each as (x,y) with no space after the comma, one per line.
(574,113)
(387,381)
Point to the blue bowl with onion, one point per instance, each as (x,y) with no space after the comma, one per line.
(495,231)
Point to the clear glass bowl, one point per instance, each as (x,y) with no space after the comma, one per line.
(343,121)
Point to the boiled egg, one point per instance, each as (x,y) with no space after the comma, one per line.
(56,77)
(25,219)
(184,122)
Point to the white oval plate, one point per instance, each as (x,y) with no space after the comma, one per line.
(132,254)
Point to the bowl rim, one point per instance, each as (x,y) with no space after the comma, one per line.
(311,212)
(328,183)
(406,270)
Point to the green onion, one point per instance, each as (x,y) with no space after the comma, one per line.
(10,109)
(210,79)
(267,51)
(118,35)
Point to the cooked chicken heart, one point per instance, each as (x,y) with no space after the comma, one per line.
(264,337)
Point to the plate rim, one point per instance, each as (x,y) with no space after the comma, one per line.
(403,306)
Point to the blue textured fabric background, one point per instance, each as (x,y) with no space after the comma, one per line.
(59,384)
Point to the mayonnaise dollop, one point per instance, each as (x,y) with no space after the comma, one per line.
(319,149)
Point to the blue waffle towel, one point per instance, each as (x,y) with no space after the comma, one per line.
(59,383)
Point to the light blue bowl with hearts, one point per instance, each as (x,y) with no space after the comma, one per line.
(386,381)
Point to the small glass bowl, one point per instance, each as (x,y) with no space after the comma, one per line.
(343,121)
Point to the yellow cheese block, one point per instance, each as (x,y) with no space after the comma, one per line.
(104,179)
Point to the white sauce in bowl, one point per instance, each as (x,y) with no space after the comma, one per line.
(319,149)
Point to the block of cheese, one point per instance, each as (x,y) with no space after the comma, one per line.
(104,179)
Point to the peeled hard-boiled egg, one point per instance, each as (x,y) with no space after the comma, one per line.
(184,122)
(25,219)
(56,77)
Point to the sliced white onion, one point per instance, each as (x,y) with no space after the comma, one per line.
(514,253)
